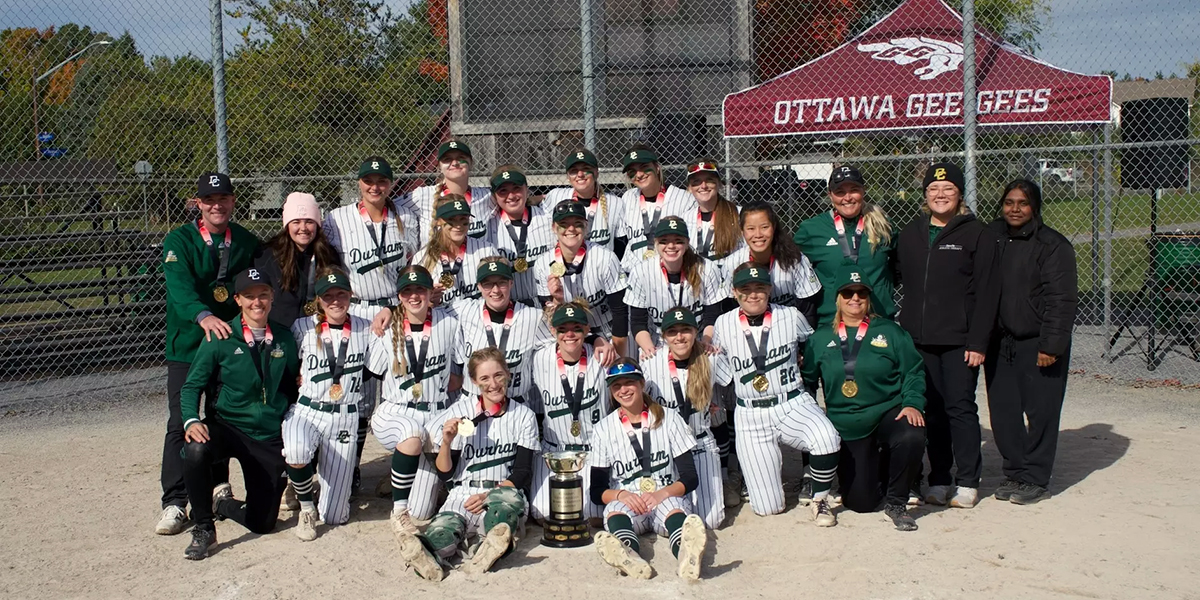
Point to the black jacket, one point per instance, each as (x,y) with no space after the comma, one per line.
(1039,286)
(946,283)
(288,304)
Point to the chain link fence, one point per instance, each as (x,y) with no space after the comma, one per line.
(107,117)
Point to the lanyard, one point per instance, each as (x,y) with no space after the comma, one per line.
(260,361)
(484,414)
(705,233)
(442,191)
(686,410)
(337,363)
(309,284)
(381,239)
(642,449)
(757,351)
(850,351)
(518,233)
(682,283)
(221,257)
(576,265)
(416,362)
(848,252)
(487,328)
(650,222)
(452,268)
(574,397)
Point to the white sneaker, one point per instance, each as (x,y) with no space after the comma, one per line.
(306,525)
(938,494)
(964,497)
(416,556)
(914,499)
(822,515)
(621,557)
(402,523)
(171,522)
(289,502)
(691,547)
(491,548)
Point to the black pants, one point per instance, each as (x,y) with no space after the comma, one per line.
(262,467)
(951,417)
(1019,389)
(888,459)
(172,458)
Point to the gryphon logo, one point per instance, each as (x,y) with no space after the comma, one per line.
(941,56)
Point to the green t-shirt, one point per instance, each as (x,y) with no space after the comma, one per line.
(934,230)
(818,240)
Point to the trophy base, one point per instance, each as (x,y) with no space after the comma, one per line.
(573,533)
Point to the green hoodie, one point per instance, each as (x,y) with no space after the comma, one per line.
(818,239)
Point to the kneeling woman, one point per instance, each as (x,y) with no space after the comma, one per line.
(642,472)
(485,455)
(874,385)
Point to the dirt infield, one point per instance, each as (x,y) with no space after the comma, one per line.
(79,499)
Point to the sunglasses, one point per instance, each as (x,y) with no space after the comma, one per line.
(703,166)
(850,293)
(451,161)
(631,173)
(623,369)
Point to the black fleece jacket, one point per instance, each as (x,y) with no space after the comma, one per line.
(1039,285)
(948,298)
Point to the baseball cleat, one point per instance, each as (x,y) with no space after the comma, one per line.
(171,522)
(222,491)
(900,517)
(964,497)
(618,555)
(491,548)
(289,502)
(306,525)
(822,515)
(203,540)
(1006,489)
(938,494)
(1028,493)
(402,523)
(806,491)
(691,547)
(416,556)
(731,494)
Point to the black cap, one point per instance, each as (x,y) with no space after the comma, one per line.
(375,165)
(581,156)
(213,183)
(945,171)
(250,278)
(845,173)
(568,209)
(334,279)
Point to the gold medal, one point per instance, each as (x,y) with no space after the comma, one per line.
(647,485)
(649,253)
(220,294)
(760,383)
(417,390)
(576,428)
(447,281)
(849,389)
(336,392)
(310,308)
(521,265)
(466,428)
(558,269)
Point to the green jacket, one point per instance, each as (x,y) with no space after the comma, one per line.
(889,373)
(241,402)
(818,239)
(190,272)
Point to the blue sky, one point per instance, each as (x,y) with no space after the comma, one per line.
(1135,36)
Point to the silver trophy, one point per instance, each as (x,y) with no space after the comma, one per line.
(565,526)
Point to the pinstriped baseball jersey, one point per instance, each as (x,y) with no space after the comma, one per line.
(527,332)
(488,453)
(539,239)
(611,449)
(650,289)
(601,275)
(676,202)
(422,200)
(789,330)
(703,241)
(346,231)
(388,349)
(549,399)
(604,227)
(658,385)
(314,363)
(465,287)
(787,285)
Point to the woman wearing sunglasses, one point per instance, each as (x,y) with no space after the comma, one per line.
(604,210)
(646,203)
(874,384)
(454,171)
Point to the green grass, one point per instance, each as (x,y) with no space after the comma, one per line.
(1130,258)
(1130,211)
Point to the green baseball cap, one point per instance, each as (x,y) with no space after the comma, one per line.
(335,279)
(581,156)
(638,155)
(494,267)
(513,176)
(454,208)
(569,313)
(751,274)
(453,145)
(679,316)
(569,209)
(415,275)
(375,165)
(671,226)
(851,276)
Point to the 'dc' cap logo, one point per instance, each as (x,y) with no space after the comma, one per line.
(214,180)
(940,174)
(453,144)
(505,175)
(633,155)
(492,266)
(579,155)
(374,164)
(253,273)
(679,315)
(412,276)
(754,272)
(856,278)
(457,205)
(674,224)
(332,278)
(570,312)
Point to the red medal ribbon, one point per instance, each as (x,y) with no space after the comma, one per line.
(208,236)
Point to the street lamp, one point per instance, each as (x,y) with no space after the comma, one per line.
(37,143)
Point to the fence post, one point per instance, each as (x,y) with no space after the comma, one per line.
(1108,237)
(970,103)
(218,69)
(1095,219)
(589,83)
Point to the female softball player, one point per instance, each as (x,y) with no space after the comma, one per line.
(293,257)
(334,349)
(717,231)
(604,210)
(683,379)
(577,269)
(794,281)
(678,278)
(642,471)
(454,166)
(763,341)
(648,201)
(414,354)
(451,256)
(485,451)
(521,232)
(568,398)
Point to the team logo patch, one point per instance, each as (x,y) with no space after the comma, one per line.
(880,341)
(856,278)
(412,276)
(237,351)
(831,242)
(454,144)
(374,164)
(939,56)
(171,257)
(277,353)
(332,278)
(579,155)
(940,174)
(633,155)
(343,437)
(214,181)
(253,274)
(504,175)
(679,315)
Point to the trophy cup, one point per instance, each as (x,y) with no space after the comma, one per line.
(565,526)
